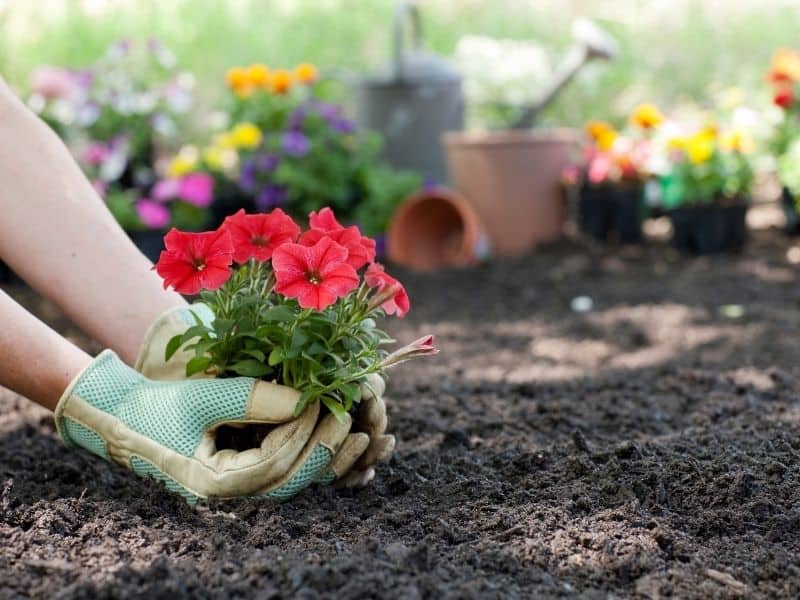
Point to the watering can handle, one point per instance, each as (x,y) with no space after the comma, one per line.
(403,12)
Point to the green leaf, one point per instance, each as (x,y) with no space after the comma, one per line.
(197,364)
(336,408)
(223,326)
(351,392)
(275,357)
(306,396)
(250,368)
(257,354)
(193,332)
(173,345)
(278,313)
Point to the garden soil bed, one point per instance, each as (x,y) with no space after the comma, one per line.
(647,448)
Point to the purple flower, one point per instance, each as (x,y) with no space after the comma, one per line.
(295,143)
(329,112)
(342,125)
(267,162)
(152,214)
(298,117)
(270,197)
(247,178)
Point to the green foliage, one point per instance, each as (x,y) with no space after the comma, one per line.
(723,175)
(258,333)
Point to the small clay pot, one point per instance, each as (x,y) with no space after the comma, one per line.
(432,229)
(710,228)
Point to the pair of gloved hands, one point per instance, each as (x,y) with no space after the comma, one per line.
(156,422)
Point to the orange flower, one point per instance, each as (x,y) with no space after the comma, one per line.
(785,66)
(596,129)
(238,80)
(306,73)
(258,75)
(281,81)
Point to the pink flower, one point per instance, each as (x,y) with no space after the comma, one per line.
(316,275)
(51,82)
(257,236)
(421,347)
(152,214)
(166,189)
(390,293)
(197,189)
(96,153)
(599,168)
(360,249)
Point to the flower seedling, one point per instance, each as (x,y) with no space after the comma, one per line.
(296,307)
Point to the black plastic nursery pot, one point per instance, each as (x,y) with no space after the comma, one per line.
(151,243)
(612,213)
(226,203)
(789,207)
(710,228)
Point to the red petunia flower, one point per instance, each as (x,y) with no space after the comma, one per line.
(257,236)
(360,249)
(195,261)
(397,300)
(316,275)
(783,97)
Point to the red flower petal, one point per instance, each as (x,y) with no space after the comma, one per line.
(324,220)
(257,236)
(195,261)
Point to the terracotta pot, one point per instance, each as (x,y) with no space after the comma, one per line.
(513,180)
(432,229)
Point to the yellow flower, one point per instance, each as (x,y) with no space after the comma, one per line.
(594,129)
(676,143)
(605,140)
(225,141)
(219,159)
(710,130)
(737,140)
(184,162)
(258,75)
(281,81)
(245,135)
(238,79)
(647,116)
(700,147)
(306,73)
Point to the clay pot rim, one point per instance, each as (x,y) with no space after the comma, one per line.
(511,137)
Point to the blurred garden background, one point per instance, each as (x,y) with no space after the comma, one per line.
(670,49)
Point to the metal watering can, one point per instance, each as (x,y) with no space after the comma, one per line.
(418,96)
(415,99)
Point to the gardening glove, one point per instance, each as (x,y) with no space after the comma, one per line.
(166,430)
(362,449)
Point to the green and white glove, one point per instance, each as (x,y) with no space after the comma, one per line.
(166,430)
(365,446)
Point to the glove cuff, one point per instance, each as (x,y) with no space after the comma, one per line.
(150,359)
(102,383)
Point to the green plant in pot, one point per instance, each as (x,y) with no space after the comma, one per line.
(706,191)
(120,117)
(294,146)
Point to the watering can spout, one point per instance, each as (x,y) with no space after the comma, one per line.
(589,42)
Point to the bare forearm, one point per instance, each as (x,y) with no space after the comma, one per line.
(34,360)
(58,235)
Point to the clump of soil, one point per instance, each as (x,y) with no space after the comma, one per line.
(647,448)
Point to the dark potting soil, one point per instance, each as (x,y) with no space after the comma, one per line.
(647,448)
